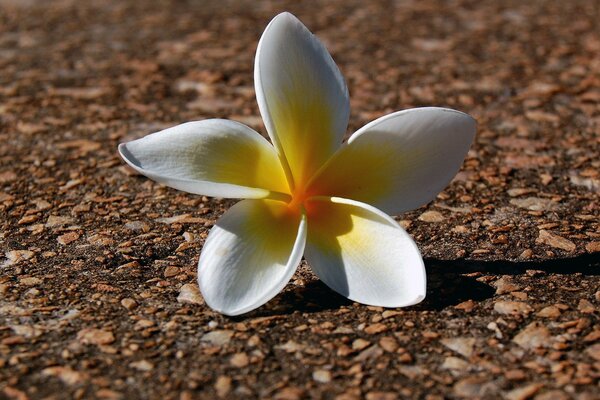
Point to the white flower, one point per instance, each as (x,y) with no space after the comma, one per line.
(308,193)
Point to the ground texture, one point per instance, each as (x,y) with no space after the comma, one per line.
(97,281)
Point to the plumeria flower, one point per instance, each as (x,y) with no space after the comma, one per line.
(308,193)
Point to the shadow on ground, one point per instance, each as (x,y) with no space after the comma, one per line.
(450,282)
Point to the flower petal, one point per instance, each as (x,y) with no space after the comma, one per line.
(250,255)
(400,161)
(301,94)
(213,157)
(363,254)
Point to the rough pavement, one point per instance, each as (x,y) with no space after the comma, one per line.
(97,281)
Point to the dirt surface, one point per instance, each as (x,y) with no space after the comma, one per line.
(97,281)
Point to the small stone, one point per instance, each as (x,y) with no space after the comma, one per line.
(291,347)
(16,256)
(360,344)
(512,307)
(526,254)
(390,313)
(534,335)
(129,303)
(7,176)
(524,392)
(534,204)
(553,395)
(515,375)
(223,386)
(505,285)
(586,306)
(593,247)
(431,216)
(289,393)
(461,345)
(142,365)
(377,395)
(54,221)
(171,271)
(28,219)
(66,374)
(68,238)
(466,306)
(30,281)
(218,337)
(375,328)
(516,192)
(190,294)
(455,363)
(475,387)
(322,376)
(594,351)
(137,226)
(553,240)
(372,352)
(95,336)
(546,179)
(239,360)
(551,312)
(388,344)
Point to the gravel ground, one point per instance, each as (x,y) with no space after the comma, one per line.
(97,277)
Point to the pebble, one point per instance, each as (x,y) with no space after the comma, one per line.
(129,303)
(534,204)
(455,363)
(218,337)
(552,395)
(594,351)
(239,360)
(289,393)
(534,335)
(171,271)
(30,281)
(321,376)
(223,386)
(360,344)
(375,328)
(54,221)
(95,336)
(377,395)
(553,240)
(68,238)
(593,247)
(388,344)
(512,307)
(142,365)
(66,374)
(461,345)
(505,285)
(431,216)
(16,256)
(551,312)
(190,294)
(586,307)
(524,392)
(516,192)
(475,387)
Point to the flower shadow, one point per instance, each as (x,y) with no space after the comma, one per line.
(451,282)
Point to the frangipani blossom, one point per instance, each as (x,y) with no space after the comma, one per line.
(308,193)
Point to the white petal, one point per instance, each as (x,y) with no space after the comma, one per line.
(363,254)
(213,157)
(301,94)
(250,255)
(400,161)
